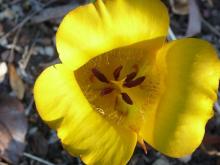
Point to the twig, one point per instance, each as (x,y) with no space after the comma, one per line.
(15,40)
(79,161)
(26,57)
(30,156)
(217,107)
(53,13)
(211,28)
(14,2)
(29,107)
(210,2)
(210,152)
(171,35)
(45,65)
(24,21)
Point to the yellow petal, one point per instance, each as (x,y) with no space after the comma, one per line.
(191,75)
(93,29)
(82,130)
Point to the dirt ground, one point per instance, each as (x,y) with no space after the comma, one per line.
(27,46)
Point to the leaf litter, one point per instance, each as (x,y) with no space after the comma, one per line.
(13,129)
(26,59)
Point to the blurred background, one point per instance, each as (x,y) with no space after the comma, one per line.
(27,46)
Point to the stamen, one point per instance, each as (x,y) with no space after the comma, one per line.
(99,75)
(107,91)
(126,98)
(131,76)
(117,72)
(134,83)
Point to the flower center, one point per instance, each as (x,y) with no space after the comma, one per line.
(119,85)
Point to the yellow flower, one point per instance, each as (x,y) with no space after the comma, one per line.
(120,83)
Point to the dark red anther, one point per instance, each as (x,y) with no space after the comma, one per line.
(131,76)
(107,91)
(99,75)
(126,98)
(134,83)
(117,72)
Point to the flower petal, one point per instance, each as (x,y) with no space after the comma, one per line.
(93,29)
(81,129)
(191,75)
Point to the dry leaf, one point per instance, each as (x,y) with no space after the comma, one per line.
(13,128)
(195,24)
(210,2)
(16,83)
(180,7)
(38,144)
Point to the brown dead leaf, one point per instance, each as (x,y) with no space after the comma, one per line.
(13,128)
(1,29)
(180,7)
(38,144)
(16,83)
(210,2)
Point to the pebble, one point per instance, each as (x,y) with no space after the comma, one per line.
(40,50)
(161,161)
(7,14)
(3,42)
(49,51)
(186,159)
(3,71)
